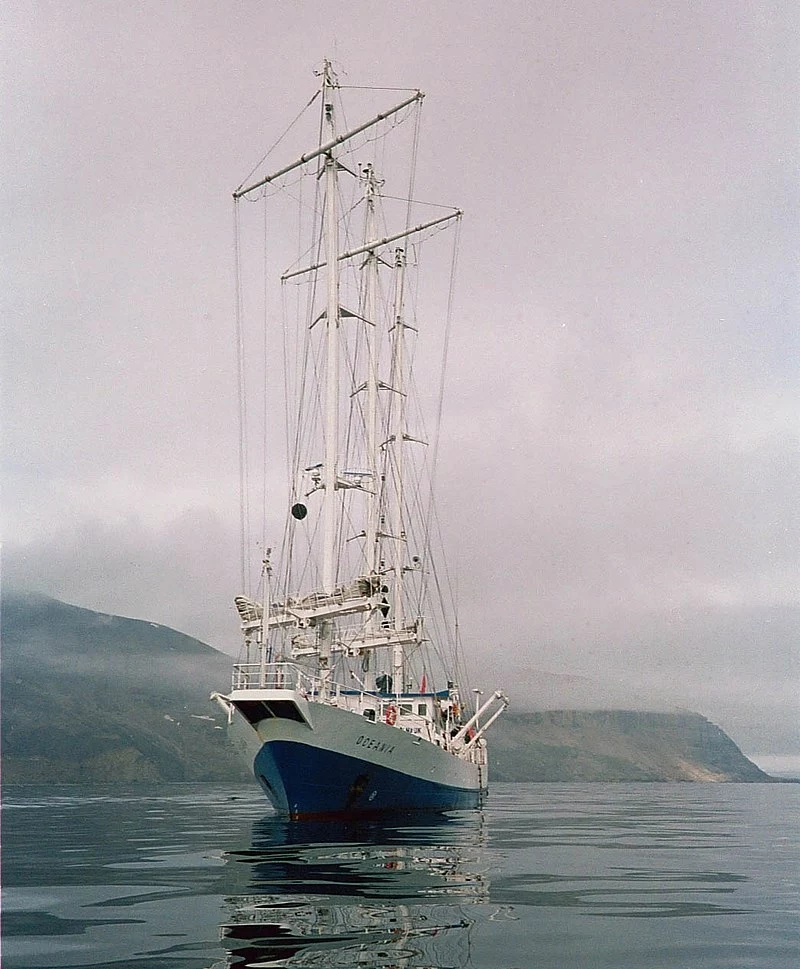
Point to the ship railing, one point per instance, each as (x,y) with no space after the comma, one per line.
(289,676)
(475,754)
(417,716)
(275,676)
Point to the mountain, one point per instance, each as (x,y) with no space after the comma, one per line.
(93,697)
(96,698)
(615,745)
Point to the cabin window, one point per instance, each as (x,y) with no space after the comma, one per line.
(422,709)
(406,708)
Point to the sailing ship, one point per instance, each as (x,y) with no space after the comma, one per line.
(348,690)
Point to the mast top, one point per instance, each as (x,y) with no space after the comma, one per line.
(329,81)
(329,76)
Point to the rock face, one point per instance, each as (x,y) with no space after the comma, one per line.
(615,745)
(95,698)
(89,697)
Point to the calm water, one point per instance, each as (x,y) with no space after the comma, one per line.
(604,876)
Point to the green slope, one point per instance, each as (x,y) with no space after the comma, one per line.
(615,745)
(98,698)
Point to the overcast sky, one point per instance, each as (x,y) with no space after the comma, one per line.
(622,423)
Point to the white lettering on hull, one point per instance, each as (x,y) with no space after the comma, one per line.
(369,744)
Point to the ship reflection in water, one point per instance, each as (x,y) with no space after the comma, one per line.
(362,894)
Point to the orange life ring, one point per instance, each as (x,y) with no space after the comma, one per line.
(391,715)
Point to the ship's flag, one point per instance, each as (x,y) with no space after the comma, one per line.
(423,684)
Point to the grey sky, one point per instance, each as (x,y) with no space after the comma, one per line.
(622,422)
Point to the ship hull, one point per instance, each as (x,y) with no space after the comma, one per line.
(307,782)
(340,765)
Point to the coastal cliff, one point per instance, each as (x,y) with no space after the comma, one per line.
(616,745)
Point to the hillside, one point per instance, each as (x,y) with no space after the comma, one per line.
(89,697)
(93,697)
(615,745)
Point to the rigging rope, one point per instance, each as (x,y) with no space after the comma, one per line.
(414,154)
(440,404)
(244,512)
(269,151)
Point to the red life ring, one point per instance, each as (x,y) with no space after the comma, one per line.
(391,715)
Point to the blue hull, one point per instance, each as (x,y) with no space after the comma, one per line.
(306,782)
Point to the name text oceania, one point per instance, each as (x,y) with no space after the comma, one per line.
(369,744)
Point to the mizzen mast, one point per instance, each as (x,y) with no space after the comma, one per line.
(372,385)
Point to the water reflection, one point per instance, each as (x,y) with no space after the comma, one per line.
(360,894)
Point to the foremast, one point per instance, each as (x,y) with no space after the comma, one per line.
(331,234)
(330,468)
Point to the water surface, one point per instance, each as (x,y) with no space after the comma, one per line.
(604,876)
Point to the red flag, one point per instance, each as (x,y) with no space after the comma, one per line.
(423,684)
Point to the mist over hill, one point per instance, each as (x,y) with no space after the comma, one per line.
(538,689)
(96,698)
